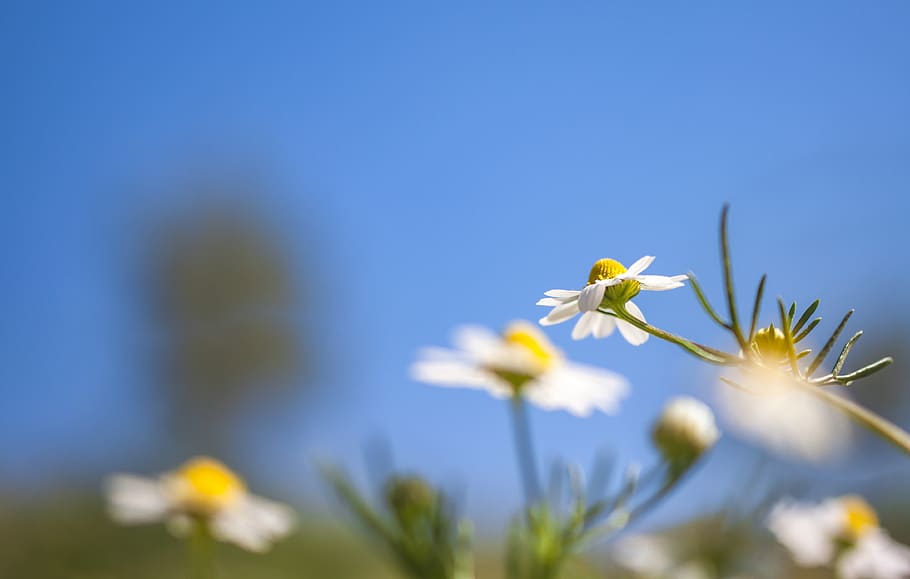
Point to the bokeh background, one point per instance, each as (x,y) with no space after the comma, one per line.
(227,229)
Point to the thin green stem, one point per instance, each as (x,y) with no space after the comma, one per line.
(524,450)
(706,353)
(887,430)
(201,551)
(756,306)
(728,281)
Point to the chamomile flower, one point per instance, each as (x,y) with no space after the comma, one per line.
(768,406)
(520,362)
(204,491)
(842,533)
(610,285)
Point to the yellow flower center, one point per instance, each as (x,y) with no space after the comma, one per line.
(535,355)
(608,269)
(859,516)
(770,344)
(605,269)
(204,486)
(533,342)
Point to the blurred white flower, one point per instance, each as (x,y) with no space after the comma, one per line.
(202,490)
(609,283)
(521,361)
(842,533)
(685,429)
(770,408)
(661,557)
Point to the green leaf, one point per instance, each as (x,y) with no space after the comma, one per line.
(843,353)
(703,300)
(865,371)
(828,345)
(728,280)
(802,335)
(759,293)
(805,317)
(785,319)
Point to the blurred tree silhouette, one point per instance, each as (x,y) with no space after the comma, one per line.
(226,302)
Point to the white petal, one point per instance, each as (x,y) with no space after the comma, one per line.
(135,500)
(585,325)
(579,390)
(633,335)
(648,555)
(639,266)
(475,340)
(875,556)
(560,314)
(253,523)
(784,418)
(659,283)
(550,302)
(591,296)
(456,373)
(559,293)
(808,531)
(603,325)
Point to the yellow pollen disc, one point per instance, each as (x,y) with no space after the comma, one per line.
(532,341)
(605,269)
(860,517)
(206,485)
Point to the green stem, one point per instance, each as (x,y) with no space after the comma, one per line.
(524,450)
(728,280)
(706,353)
(887,430)
(202,551)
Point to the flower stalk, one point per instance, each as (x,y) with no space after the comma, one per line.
(201,546)
(524,450)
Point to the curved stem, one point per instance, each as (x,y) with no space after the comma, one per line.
(524,450)
(706,353)
(887,430)
(202,551)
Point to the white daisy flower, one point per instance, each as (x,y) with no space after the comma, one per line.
(842,533)
(609,284)
(770,408)
(520,362)
(201,490)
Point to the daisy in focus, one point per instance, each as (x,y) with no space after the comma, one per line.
(842,533)
(520,362)
(205,493)
(610,287)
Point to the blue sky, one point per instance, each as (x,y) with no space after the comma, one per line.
(436,164)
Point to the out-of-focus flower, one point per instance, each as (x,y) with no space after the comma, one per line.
(770,407)
(520,362)
(685,429)
(686,553)
(202,491)
(610,285)
(840,532)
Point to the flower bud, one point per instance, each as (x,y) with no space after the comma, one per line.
(410,498)
(683,432)
(770,345)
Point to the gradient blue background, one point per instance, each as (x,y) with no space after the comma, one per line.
(434,164)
